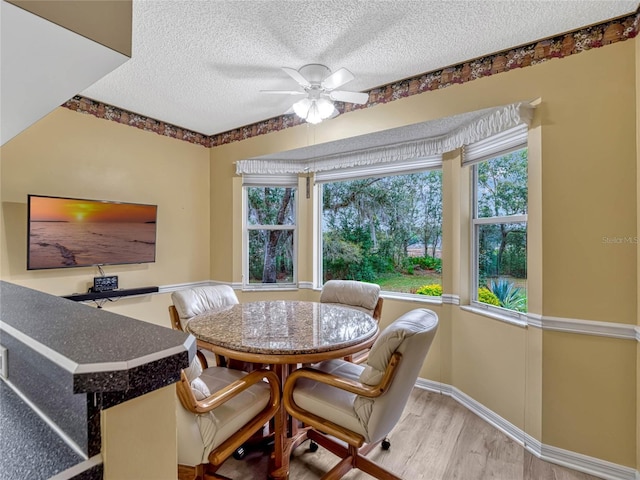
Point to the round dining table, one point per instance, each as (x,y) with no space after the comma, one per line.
(284,334)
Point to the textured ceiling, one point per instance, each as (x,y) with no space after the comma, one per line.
(200,64)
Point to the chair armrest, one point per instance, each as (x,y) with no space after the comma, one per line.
(370,391)
(175,318)
(360,359)
(226,448)
(188,399)
(324,425)
(203,359)
(377,312)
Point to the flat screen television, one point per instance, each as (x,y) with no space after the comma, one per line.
(73,232)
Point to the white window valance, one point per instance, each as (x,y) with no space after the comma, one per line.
(404,167)
(504,142)
(496,120)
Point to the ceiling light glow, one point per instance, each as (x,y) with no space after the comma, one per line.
(314,110)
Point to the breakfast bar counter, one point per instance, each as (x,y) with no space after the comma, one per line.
(68,362)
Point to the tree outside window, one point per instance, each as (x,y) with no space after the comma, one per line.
(500,231)
(385,230)
(271,234)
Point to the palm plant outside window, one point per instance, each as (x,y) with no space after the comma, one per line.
(500,231)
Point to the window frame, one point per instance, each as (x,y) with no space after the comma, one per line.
(268,181)
(406,167)
(500,145)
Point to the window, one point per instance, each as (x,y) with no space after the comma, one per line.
(499,221)
(384,228)
(270,233)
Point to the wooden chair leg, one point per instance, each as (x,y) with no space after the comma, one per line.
(339,470)
(367,447)
(373,469)
(199,472)
(210,473)
(352,457)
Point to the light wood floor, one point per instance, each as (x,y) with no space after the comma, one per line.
(436,439)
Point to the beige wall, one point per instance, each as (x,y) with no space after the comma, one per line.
(586,139)
(139,439)
(488,363)
(533,383)
(588,130)
(588,386)
(75,155)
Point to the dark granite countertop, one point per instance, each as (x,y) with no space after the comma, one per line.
(29,448)
(102,350)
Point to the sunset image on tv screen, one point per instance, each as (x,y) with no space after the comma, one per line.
(65,232)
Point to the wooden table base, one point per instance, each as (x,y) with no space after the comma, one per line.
(288,435)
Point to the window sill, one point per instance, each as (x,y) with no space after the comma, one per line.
(407,297)
(506,318)
(270,288)
(411,297)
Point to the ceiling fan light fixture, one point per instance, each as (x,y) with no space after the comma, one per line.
(325,107)
(314,110)
(314,116)
(319,85)
(301,107)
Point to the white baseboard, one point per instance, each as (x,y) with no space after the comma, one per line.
(476,407)
(533,445)
(576,461)
(584,463)
(489,416)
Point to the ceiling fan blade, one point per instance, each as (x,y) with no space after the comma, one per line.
(296,76)
(337,79)
(350,97)
(284,92)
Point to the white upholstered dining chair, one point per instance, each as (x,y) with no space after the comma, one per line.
(190,302)
(220,409)
(361,296)
(360,404)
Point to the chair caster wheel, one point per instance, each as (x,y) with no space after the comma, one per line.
(239,453)
(386,444)
(313,446)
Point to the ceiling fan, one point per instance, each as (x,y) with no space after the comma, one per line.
(320,86)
